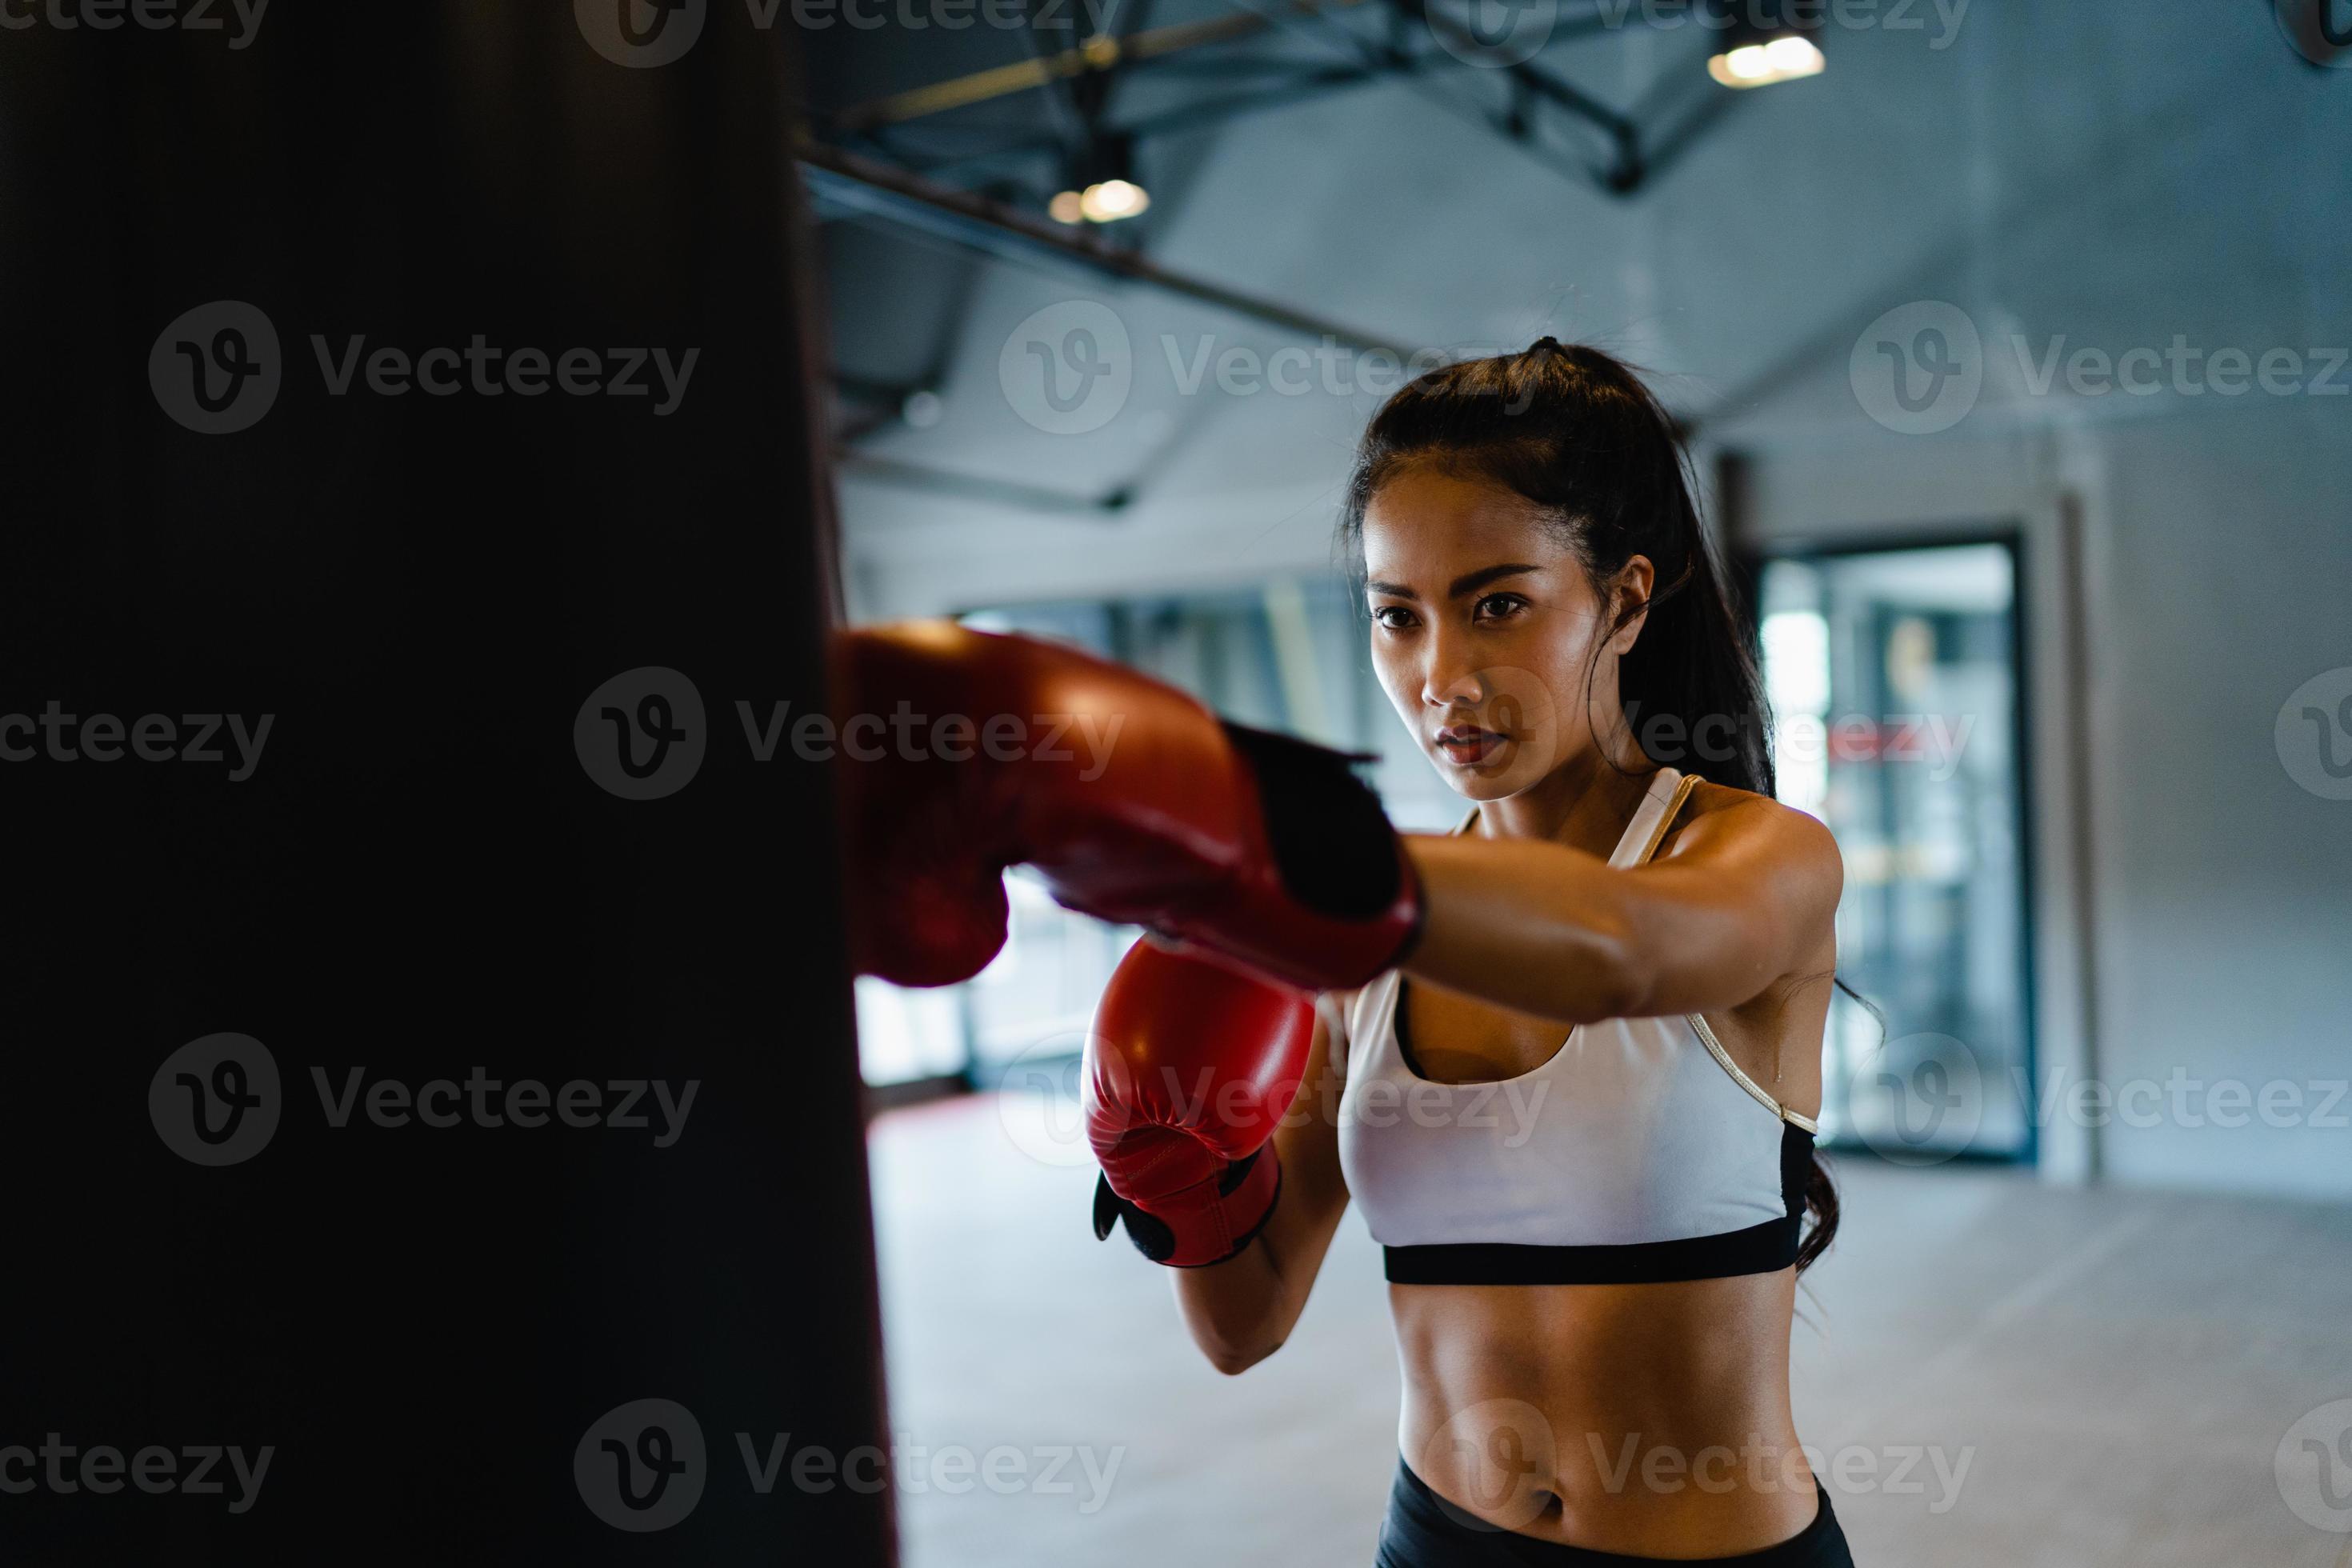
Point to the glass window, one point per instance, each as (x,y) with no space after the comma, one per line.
(1894,680)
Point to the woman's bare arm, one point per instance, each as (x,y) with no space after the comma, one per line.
(1240,1311)
(1546,929)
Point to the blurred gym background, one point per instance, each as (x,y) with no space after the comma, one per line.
(2011,344)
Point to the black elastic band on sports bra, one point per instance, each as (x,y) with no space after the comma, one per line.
(1760,1249)
(1764,1248)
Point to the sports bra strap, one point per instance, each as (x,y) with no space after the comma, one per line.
(1673,809)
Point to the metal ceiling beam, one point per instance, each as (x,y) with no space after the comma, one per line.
(1035,499)
(848,181)
(1160,47)
(1100,53)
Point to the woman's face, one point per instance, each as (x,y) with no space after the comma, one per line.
(1484,630)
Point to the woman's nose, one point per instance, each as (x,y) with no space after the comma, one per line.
(1448,681)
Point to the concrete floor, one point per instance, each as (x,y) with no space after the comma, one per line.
(2117,1371)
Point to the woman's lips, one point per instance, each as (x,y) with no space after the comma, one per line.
(1467,745)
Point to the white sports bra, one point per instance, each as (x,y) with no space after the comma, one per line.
(1639,1151)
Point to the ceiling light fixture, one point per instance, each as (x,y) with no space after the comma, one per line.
(1758,57)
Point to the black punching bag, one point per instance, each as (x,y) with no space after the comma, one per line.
(431,1087)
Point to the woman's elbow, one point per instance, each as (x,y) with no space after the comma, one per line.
(1232,1348)
(1233,1359)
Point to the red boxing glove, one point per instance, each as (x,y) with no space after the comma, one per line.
(1190,1066)
(967,753)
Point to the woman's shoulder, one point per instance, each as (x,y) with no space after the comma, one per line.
(1722,819)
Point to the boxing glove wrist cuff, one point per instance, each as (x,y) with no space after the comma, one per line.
(1337,900)
(1208,1223)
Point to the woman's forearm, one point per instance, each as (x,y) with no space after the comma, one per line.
(1535,927)
(1240,1311)
(1233,1310)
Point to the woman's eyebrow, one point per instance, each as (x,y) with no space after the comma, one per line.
(1469,582)
(1474,581)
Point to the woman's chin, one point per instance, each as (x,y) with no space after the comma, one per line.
(1496,776)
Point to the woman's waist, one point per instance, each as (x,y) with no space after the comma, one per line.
(1652,1421)
(1666,1339)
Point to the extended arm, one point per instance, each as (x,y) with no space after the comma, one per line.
(1550,931)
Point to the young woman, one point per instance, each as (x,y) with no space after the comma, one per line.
(1579,1114)
(1575,1043)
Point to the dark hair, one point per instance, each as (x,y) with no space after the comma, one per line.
(1574,430)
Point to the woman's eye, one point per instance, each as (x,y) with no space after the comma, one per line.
(1497,606)
(1395,617)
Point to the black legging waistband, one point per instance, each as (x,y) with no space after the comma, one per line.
(1424,1531)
